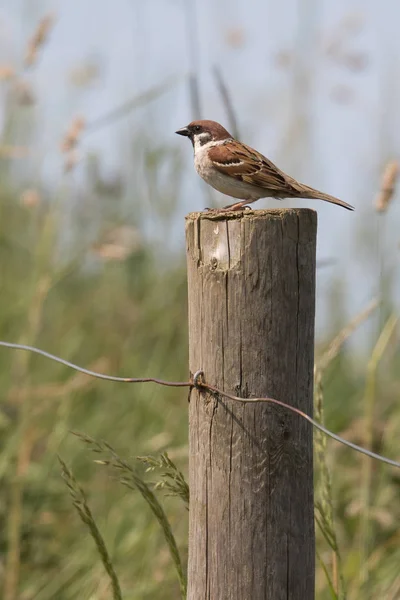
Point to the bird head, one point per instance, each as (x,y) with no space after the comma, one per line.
(203,132)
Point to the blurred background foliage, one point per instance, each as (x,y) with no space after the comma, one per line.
(93,189)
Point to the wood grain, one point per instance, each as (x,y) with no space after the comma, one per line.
(251,286)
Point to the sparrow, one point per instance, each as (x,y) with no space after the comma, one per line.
(239,171)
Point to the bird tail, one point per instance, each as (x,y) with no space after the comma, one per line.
(309,192)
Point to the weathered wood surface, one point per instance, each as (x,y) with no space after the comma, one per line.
(251,279)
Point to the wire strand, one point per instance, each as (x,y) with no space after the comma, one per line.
(71,365)
(334,436)
(198,383)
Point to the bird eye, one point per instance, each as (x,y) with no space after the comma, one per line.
(197,128)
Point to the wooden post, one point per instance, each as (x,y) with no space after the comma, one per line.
(251,279)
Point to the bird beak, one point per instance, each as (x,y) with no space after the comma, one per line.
(183,131)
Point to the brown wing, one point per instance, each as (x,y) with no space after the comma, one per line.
(248,165)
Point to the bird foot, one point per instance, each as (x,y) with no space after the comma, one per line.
(229,207)
(237,206)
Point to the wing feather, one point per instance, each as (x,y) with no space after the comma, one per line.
(246,164)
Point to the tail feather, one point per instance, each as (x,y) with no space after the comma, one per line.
(309,192)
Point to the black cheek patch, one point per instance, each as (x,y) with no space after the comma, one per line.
(204,140)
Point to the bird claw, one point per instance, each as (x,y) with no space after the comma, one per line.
(233,207)
(236,207)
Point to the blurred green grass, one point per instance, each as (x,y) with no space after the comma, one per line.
(121,316)
(127,316)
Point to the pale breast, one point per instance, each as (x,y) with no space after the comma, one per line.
(202,163)
(221,182)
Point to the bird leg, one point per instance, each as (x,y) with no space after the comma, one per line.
(237,206)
